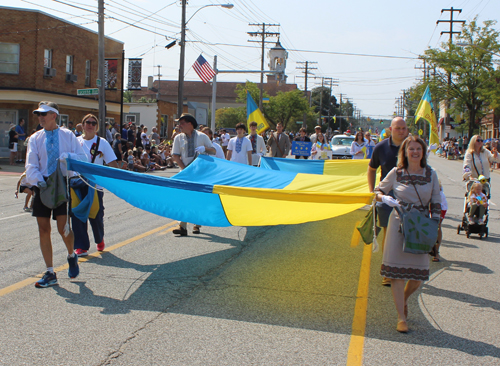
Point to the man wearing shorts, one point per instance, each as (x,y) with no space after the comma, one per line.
(45,148)
(385,156)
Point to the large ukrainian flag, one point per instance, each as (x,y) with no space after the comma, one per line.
(254,114)
(217,192)
(425,110)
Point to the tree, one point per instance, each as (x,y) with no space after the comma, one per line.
(128,96)
(466,74)
(287,108)
(229,117)
(321,95)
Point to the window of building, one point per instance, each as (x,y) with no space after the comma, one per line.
(9,58)
(69,64)
(47,58)
(87,73)
(130,118)
(110,120)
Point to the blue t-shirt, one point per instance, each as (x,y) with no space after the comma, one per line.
(20,130)
(385,155)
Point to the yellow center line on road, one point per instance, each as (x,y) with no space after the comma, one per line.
(356,345)
(31,280)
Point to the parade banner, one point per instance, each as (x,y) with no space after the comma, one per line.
(301,148)
(110,73)
(134,73)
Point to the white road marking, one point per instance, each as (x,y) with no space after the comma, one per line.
(11,217)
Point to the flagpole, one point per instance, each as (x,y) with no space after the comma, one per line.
(214,95)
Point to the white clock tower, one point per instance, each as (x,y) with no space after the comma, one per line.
(277,62)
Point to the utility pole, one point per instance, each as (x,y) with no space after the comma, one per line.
(306,69)
(331,81)
(100,70)
(306,73)
(425,70)
(451,33)
(263,34)
(180,87)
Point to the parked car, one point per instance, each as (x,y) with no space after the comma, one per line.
(341,146)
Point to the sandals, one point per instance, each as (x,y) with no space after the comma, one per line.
(436,259)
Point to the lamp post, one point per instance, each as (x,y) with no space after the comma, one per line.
(180,91)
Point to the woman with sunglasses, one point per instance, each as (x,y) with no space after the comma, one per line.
(477,159)
(98,151)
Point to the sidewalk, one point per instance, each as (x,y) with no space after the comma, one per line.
(7,169)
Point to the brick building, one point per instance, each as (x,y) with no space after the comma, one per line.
(47,58)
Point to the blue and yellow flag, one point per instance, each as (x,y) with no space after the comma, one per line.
(425,110)
(254,114)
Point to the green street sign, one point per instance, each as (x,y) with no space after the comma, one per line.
(98,82)
(87,91)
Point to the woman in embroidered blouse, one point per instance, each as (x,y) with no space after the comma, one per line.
(414,183)
(477,159)
(357,146)
(320,145)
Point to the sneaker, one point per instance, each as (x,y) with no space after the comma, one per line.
(182,231)
(480,221)
(471,221)
(26,209)
(101,245)
(73,270)
(81,252)
(48,279)
(196,229)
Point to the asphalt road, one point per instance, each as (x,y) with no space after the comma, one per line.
(286,295)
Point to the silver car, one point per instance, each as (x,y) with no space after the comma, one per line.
(341,146)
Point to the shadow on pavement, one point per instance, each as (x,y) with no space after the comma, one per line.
(301,276)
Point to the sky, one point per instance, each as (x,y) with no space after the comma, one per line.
(370,48)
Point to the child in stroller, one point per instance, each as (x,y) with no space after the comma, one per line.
(478,203)
(475,218)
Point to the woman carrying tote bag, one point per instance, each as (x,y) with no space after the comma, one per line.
(414,184)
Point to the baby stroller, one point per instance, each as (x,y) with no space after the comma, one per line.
(475,228)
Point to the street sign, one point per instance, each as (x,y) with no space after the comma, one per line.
(98,82)
(94,91)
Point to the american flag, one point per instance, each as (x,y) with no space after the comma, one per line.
(203,69)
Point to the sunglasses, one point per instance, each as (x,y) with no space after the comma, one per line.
(93,123)
(41,113)
(479,140)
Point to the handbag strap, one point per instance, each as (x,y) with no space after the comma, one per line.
(415,187)
(96,151)
(474,162)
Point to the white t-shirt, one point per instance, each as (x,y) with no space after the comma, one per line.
(145,139)
(219,153)
(242,156)
(225,139)
(181,146)
(105,152)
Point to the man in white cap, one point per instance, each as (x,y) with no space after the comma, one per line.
(187,145)
(45,148)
